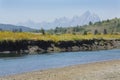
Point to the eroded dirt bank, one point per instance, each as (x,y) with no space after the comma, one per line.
(31,46)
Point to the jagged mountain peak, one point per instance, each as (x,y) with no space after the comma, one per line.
(85,18)
(87,13)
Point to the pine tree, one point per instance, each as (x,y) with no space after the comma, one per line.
(95,32)
(42,31)
(85,33)
(105,31)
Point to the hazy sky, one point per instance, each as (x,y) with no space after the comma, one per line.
(15,11)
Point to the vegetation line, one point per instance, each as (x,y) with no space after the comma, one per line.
(7,35)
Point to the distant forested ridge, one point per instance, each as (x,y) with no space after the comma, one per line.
(14,28)
(102,27)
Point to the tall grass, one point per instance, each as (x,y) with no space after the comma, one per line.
(7,35)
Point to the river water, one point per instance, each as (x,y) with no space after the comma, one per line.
(16,65)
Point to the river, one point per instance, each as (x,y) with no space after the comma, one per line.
(28,63)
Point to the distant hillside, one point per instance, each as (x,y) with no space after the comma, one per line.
(111,26)
(10,27)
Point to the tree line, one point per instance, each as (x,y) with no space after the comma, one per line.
(13,30)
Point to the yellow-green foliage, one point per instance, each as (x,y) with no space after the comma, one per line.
(6,35)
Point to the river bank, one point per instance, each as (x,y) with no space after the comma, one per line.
(31,46)
(107,70)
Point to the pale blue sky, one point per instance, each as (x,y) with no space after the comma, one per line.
(15,11)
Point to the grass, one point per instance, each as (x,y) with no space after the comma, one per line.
(7,35)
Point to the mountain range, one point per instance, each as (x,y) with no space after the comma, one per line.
(64,21)
(60,22)
(109,26)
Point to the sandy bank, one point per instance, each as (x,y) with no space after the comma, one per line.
(108,70)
